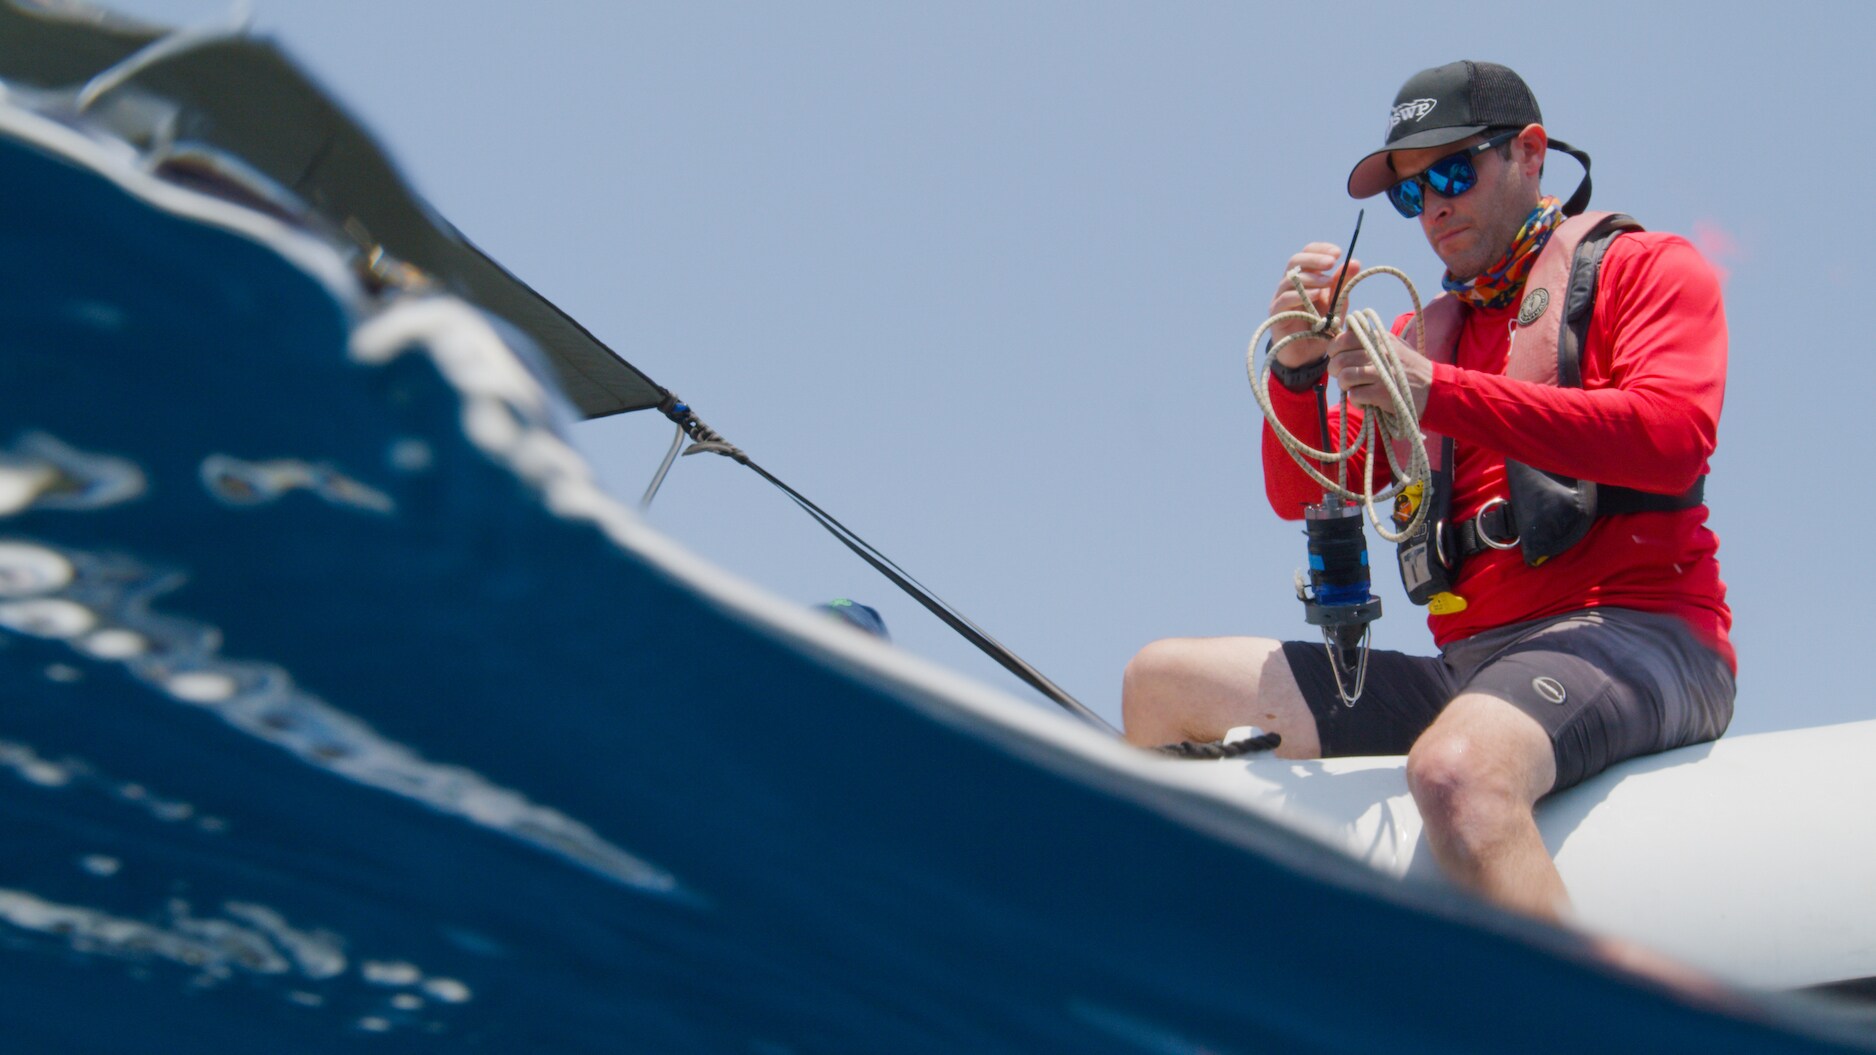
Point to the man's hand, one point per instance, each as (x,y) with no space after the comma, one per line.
(1318,263)
(1360,378)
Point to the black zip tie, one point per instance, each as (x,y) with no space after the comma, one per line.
(1348,258)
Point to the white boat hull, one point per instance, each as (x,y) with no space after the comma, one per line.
(1753,857)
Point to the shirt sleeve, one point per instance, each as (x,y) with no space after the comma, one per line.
(1654,375)
(1285,484)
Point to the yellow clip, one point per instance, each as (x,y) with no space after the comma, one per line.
(1406,502)
(1446,604)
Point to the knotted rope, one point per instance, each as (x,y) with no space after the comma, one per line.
(1379,426)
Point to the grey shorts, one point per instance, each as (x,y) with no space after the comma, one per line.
(1606,684)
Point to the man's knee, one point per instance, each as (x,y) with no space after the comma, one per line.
(1479,769)
(1444,775)
(1157,690)
(1173,666)
(1200,688)
(1154,665)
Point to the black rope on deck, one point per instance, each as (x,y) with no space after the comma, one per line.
(1218,749)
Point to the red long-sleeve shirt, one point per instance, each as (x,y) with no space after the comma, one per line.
(1654,377)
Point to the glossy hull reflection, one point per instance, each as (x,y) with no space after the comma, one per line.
(337,703)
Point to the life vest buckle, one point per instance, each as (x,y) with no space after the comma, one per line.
(1439,546)
(1485,536)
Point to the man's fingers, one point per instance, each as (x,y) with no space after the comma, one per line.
(1330,273)
(1347,346)
(1327,250)
(1313,265)
(1321,257)
(1350,366)
(1363,387)
(1287,300)
(1319,266)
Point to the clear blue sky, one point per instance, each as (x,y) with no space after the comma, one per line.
(978,277)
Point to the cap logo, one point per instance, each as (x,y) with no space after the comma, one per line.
(1410,111)
(1534,304)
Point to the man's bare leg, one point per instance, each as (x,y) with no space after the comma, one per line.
(1200,688)
(1476,773)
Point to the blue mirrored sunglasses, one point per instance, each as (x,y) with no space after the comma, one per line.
(1449,177)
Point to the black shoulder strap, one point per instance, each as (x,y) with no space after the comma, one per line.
(1579,305)
(1579,301)
(1553,512)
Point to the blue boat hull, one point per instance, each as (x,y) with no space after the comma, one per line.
(335,707)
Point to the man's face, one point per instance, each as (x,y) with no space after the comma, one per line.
(1469,233)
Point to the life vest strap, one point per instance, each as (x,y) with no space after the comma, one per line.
(1496,525)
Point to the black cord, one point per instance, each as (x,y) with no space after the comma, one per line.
(710,440)
(1213,750)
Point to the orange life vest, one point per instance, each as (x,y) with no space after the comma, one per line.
(1548,512)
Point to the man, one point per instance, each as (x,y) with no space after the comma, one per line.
(1553,665)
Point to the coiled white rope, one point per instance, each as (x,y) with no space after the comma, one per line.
(1379,425)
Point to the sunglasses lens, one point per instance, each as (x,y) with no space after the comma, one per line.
(1407,197)
(1452,176)
(1449,177)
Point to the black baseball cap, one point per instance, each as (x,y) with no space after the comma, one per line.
(1452,102)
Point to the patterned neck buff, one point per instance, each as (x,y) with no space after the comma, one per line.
(1498,286)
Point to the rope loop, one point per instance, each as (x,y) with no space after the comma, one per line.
(1381,426)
